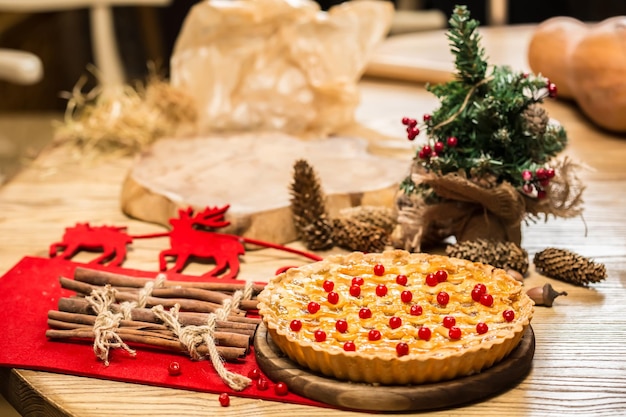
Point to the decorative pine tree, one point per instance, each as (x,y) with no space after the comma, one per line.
(490,137)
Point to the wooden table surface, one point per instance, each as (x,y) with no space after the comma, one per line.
(579,366)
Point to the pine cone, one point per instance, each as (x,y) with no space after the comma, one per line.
(308,204)
(568,266)
(317,235)
(535,120)
(378,216)
(358,236)
(504,255)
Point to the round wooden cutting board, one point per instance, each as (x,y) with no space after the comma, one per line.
(368,397)
(252,173)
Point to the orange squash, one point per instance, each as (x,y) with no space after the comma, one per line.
(588,64)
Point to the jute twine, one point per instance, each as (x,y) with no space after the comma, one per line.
(142,298)
(193,336)
(106,324)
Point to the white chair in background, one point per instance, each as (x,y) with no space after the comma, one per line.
(25,68)
(20,67)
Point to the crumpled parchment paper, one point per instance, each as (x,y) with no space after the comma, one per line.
(276,64)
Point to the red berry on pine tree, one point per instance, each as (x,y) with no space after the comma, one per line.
(552,90)
(412,132)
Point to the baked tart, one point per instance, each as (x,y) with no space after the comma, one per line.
(395,317)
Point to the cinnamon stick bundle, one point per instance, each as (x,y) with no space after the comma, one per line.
(76,317)
(102,278)
(82,306)
(214,299)
(226,352)
(184,303)
(221,338)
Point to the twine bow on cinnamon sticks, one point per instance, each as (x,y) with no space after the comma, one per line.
(114,309)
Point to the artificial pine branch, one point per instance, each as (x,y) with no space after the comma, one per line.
(469,55)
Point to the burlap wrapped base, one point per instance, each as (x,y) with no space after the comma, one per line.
(470,209)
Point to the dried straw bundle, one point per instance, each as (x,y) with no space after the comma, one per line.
(124,120)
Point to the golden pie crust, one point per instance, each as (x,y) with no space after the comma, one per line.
(483,333)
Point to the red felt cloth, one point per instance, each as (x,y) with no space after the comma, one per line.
(31,288)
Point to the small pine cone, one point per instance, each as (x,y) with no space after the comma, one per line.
(568,266)
(378,216)
(358,236)
(308,203)
(317,235)
(535,120)
(504,255)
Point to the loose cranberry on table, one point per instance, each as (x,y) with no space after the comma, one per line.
(254,374)
(174,369)
(224,400)
(262,384)
(280,388)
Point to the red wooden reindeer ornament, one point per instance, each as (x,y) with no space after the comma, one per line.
(194,236)
(110,240)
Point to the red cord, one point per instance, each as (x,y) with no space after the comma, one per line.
(309,255)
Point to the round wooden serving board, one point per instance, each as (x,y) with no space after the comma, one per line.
(252,173)
(368,397)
